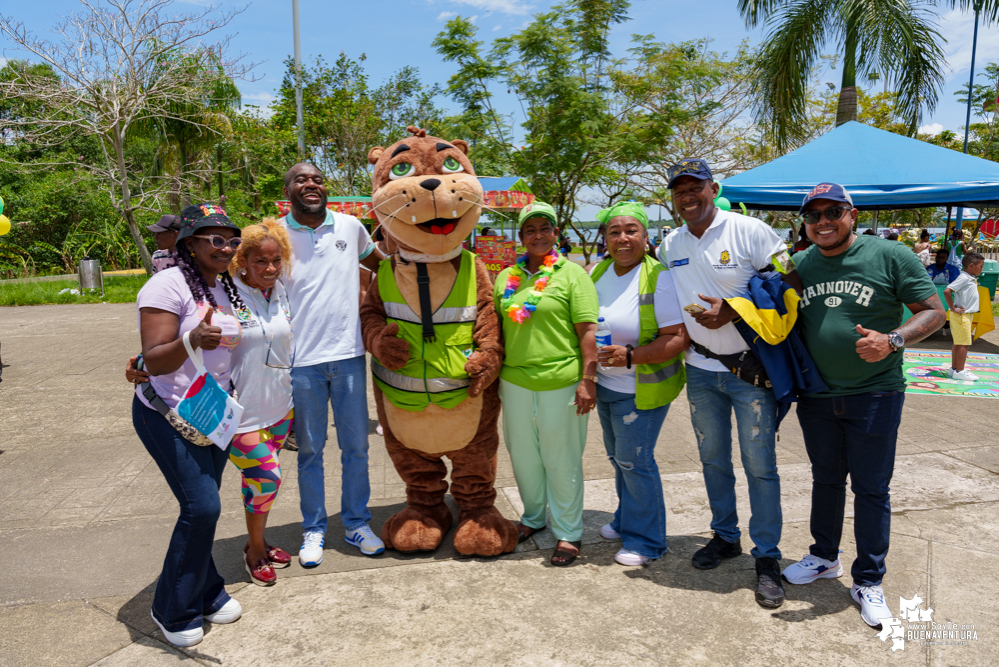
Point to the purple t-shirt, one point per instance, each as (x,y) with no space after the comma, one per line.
(167,290)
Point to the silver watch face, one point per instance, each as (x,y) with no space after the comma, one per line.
(896,341)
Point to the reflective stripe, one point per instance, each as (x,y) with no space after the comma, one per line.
(419,385)
(661,375)
(401,311)
(646,299)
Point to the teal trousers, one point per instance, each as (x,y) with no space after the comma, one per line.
(545,439)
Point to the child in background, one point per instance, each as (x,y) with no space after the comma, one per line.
(962,299)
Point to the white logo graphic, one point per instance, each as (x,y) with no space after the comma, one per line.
(920,626)
(833,301)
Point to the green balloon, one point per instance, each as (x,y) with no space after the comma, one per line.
(720,187)
(1,204)
(723,204)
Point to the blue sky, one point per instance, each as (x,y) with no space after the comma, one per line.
(395,33)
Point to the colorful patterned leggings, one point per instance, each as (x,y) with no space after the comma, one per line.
(256,455)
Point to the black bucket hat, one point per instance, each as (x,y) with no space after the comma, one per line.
(197,216)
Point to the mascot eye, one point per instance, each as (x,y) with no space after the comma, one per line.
(401,170)
(452,166)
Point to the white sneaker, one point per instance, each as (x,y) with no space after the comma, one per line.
(872,604)
(364,539)
(229,613)
(625,557)
(184,637)
(609,533)
(963,376)
(311,552)
(810,568)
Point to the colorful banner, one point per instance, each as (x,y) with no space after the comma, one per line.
(358,209)
(506,199)
(496,252)
(926,373)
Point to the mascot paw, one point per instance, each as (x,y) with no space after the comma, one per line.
(484,533)
(481,367)
(391,351)
(417,528)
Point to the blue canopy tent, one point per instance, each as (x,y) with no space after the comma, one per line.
(881,170)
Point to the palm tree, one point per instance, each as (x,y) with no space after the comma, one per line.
(896,38)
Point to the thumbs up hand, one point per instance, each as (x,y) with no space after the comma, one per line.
(206,336)
(872,346)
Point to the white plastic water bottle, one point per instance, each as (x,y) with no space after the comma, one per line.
(603,333)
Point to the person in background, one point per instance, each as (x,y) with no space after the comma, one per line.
(962,299)
(940,272)
(850,318)
(870,232)
(165,232)
(922,248)
(330,370)
(712,258)
(195,300)
(548,307)
(640,374)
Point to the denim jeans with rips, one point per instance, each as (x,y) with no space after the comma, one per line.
(713,398)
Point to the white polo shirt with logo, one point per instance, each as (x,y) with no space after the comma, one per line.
(720,263)
(324,290)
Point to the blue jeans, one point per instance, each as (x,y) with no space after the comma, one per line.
(852,435)
(630,438)
(189,586)
(713,397)
(342,384)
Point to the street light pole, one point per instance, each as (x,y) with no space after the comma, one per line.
(967,120)
(298,81)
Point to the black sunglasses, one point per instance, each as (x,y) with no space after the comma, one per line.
(220,241)
(832,214)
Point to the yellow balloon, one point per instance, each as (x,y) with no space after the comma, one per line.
(4,224)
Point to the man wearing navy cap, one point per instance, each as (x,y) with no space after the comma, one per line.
(850,318)
(165,232)
(711,258)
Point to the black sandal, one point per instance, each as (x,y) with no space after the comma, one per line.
(522,537)
(566,557)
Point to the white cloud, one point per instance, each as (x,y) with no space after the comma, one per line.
(959,28)
(503,6)
(933,129)
(444,16)
(262,101)
(3,61)
(498,26)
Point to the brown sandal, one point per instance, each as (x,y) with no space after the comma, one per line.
(563,558)
(522,536)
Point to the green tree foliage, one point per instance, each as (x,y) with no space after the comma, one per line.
(896,38)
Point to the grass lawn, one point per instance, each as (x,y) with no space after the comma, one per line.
(117,289)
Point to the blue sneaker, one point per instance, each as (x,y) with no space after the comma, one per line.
(311,553)
(364,539)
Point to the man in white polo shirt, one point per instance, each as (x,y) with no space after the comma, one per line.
(711,258)
(329,366)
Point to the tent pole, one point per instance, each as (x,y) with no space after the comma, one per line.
(959,224)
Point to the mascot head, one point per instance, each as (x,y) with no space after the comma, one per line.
(426,195)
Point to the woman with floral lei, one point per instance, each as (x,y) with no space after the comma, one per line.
(548,306)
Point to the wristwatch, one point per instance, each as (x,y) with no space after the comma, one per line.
(896,341)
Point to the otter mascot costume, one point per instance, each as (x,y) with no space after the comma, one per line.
(431,327)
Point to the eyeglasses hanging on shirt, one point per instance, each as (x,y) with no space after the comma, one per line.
(273,359)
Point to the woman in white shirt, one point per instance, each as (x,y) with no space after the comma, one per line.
(639,375)
(261,371)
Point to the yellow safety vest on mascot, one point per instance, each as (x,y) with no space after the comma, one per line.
(655,384)
(435,372)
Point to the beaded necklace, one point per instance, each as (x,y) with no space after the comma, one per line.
(521,313)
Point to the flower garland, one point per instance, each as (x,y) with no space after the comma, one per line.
(521,313)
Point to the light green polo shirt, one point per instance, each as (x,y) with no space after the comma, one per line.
(543,353)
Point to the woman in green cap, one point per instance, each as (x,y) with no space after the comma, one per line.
(548,306)
(640,374)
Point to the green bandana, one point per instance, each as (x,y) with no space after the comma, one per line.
(537,209)
(628,208)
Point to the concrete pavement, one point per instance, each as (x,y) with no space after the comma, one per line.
(85,517)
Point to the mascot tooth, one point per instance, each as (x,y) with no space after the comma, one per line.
(431,327)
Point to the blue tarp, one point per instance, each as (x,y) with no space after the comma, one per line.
(881,170)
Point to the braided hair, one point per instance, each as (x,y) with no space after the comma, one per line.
(196,281)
